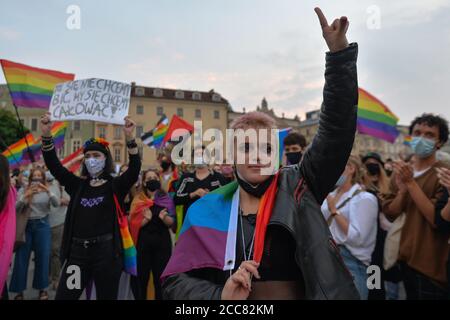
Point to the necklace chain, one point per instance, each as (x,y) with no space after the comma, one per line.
(243,240)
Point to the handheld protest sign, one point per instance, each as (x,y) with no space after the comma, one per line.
(91,99)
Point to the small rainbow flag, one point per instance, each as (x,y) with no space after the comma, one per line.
(407,140)
(154,137)
(16,153)
(58,132)
(375,119)
(32,87)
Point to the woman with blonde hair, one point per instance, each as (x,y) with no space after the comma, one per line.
(352,213)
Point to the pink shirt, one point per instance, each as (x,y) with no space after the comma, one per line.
(7,235)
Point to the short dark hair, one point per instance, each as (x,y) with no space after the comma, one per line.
(294,137)
(432,120)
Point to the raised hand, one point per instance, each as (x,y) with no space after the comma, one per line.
(129,128)
(46,125)
(333,34)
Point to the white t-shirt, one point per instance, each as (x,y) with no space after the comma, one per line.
(361,212)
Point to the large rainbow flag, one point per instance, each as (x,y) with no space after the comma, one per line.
(208,236)
(32,87)
(375,118)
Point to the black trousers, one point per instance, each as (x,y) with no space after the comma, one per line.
(97,263)
(153,254)
(420,287)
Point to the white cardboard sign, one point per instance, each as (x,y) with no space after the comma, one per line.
(91,99)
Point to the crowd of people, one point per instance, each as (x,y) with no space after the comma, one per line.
(311,230)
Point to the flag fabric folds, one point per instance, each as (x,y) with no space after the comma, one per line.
(32,87)
(375,119)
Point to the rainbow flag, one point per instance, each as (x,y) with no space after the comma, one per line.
(282,133)
(208,236)
(58,132)
(407,140)
(154,137)
(375,119)
(32,87)
(17,152)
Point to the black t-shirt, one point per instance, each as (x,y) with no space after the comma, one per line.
(189,183)
(95,212)
(278,260)
(155,225)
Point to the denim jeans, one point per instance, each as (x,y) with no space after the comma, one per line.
(358,271)
(37,239)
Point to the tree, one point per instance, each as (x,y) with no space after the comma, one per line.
(9,129)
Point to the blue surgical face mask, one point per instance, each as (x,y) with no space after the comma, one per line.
(422,147)
(341,181)
(94,166)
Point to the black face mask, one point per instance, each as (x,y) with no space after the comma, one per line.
(294,157)
(165,165)
(255,190)
(373,169)
(153,185)
(388,172)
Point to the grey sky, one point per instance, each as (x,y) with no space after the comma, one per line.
(243,49)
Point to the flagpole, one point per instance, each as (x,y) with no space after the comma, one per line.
(30,153)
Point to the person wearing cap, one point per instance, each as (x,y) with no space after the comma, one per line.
(377,179)
(92,240)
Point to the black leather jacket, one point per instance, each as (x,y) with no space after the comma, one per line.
(302,188)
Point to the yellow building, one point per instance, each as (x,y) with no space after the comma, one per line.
(148,104)
(363,143)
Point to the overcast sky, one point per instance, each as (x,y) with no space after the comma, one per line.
(244,49)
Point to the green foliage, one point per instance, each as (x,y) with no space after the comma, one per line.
(9,129)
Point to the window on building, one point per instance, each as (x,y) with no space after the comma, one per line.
(216,97)
(60,152)
(179,94)
(196,96)
(102,132)
(180,112)
(139,109)
(139,91)
(77,125)
(216,114)
(34,124)
(198,113)
(76,144)
(157,92)
(117,133)
(139,131)
(117,154)
(159,111)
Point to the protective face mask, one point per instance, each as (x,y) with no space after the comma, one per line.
(373,169)
(199,163)
(153,185)
(94,166)
(341,181)
(165,165)
(422,147)
(294,157)
(255,190)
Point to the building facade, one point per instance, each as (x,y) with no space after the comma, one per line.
(149,104)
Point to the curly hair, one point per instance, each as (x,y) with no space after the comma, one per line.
(432,120)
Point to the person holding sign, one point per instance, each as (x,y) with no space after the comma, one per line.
(96,237)
(264,237)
